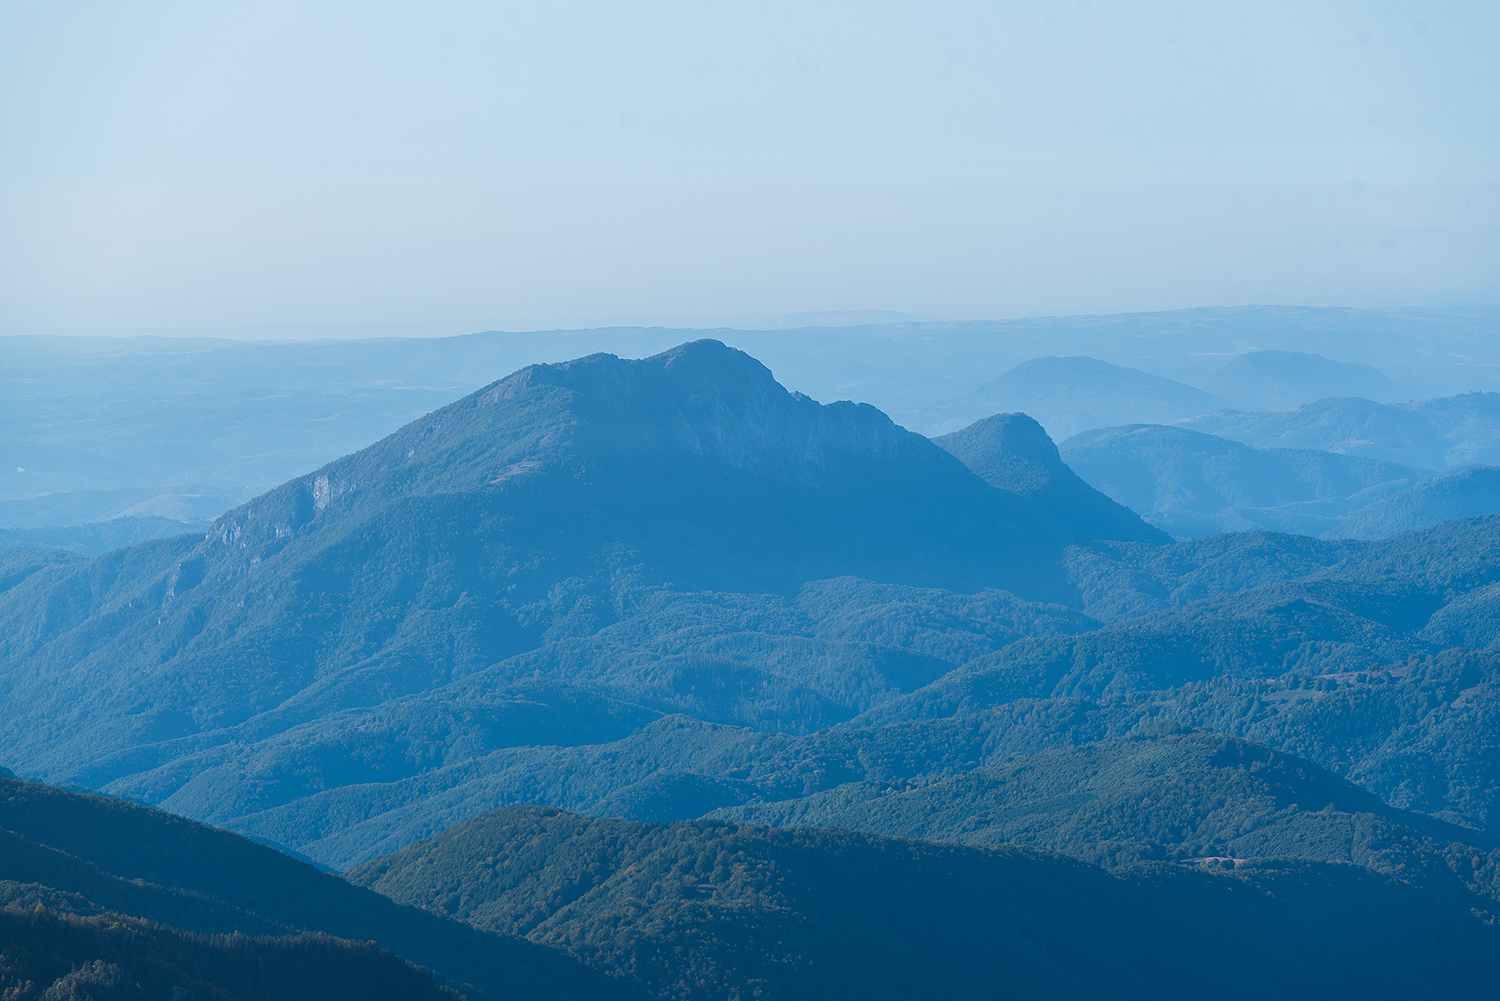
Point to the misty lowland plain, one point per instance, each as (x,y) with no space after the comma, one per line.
(637,677)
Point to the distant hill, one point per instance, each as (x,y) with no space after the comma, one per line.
(840,318)
(75,863)
(81,507)
(1439,433)
(1471,493)
(243,416)
(1170,797)
(707,910)
(94,538)
(1069,395)
(1012,452)
(1193,484)
(1286,380)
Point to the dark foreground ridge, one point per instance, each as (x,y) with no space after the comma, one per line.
(151,897)
(705,909)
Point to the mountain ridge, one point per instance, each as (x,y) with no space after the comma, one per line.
(1013,452)
(526,517)
(712,909)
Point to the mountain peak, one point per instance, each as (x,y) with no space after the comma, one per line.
(1013,452)
(702,430)
(708,400)
(1010,451)
(694,366)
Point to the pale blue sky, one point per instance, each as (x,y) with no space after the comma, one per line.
(452,166)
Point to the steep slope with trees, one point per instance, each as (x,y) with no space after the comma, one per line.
(1192,484)
(530,516)
(92,858)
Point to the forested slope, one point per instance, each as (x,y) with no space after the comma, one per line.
(1193,484)
(114,957)
(184,885)
(1170,797)
(1470,493)
(534,513)
(707,909)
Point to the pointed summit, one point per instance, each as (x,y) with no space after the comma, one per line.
(1013,452)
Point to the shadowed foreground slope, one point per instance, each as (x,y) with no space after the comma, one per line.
(112,957)
(702,909)
(89,856)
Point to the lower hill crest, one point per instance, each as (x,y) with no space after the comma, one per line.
(704,909)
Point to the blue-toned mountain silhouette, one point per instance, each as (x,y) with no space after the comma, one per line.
(1442,433)
(1012,452)
(556,524)
(1470,493)
(1286,380)
(1069,395)
(1194,484)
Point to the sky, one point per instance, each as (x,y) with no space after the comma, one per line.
(452,166)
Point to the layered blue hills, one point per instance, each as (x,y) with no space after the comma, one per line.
(646,529)
(611,655)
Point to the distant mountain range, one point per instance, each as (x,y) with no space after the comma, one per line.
(1193,484)
(102,536)
(1070,395)
(1312,471)
(82,507)
(84,414)
(1286,380)
(1470,493)
(1449,432)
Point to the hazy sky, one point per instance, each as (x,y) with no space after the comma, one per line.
(452,166)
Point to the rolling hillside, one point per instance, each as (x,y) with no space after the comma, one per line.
(1192,484)
(1069,395)
(77,863)
(1286,380)
(708,909)
(1471,493)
